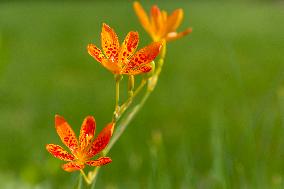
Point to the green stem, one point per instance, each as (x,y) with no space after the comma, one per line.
(94,176)
(79,186)
(119,131)
(117,78)
(88,181)
(129,101)
(124,123)
(131,83)
(161,60)
(117,81)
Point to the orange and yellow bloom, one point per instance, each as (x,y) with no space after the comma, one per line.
(83,150)
(123,59)
(160,26)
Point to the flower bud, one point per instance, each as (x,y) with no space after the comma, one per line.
(151,73)
(152,81)
(131,83)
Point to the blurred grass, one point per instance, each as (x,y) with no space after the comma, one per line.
(216,120)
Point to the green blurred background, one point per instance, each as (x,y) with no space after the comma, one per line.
(216,119)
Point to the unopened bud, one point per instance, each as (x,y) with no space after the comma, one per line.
(151,73)
(164,50)
(131,83)
(152,81)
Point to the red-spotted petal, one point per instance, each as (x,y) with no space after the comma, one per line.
(58,152)
(66,133)
(98,55)
(95,52)
(144,68)
(110,43)
(99,162)
(129,46)
(87,132)
(72,166)
(143,57)
(101,141)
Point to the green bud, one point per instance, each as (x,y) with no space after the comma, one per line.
(131,83)
(151,73)
(152,81)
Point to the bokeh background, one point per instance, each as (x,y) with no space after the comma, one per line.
(216,119)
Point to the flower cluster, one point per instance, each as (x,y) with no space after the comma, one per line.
(120,59)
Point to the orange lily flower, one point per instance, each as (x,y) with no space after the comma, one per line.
(83,150)
(123,59)
(160,25)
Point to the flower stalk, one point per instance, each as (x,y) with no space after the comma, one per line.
(132,112)
(117,78)
(88,181)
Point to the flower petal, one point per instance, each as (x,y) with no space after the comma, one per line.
(99,162)
(140,69)
(164,19)
(129,46)
(143,57)
(157,20)
(87,132)
(95,52)
(58,152)
(164,16)
(174,20)
(72,166)
(101,141)
(110,43)
(174,35)
(66,133)
(141,14)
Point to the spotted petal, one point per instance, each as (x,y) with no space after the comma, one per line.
(144,68)
(72,166)
(87,132)
(143,57)
(66,133)
(58,152)
(101,141)
(110,43)
(99,162)
(96,53)
(129,46)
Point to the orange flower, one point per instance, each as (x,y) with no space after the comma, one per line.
(84,149)
(160,25)
(121,59)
